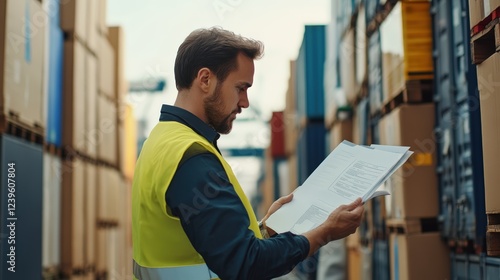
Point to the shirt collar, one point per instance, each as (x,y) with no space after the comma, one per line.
(172,113)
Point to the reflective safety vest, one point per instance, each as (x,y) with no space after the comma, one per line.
(161,248)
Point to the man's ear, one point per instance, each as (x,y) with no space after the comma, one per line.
(204,79)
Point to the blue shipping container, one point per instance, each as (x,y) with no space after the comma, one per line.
(21,209)
(380,260)
(470,181)
(310,149)
(447,178)
(466,267)
(468,140)
(54,84)
(440,11)
(309,73)
(458,126)
(491,268)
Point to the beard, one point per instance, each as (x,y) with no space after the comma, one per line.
(214,109)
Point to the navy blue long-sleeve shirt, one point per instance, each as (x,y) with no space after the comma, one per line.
(214,218)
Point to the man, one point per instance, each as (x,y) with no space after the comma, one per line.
(191,219)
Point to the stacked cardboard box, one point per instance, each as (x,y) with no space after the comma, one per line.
(479,9)
(22,65)
(100,132)
(489,88)
(413,203)
(414,192)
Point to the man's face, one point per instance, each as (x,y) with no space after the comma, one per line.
(230,96)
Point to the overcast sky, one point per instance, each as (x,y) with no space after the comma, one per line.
(155,28)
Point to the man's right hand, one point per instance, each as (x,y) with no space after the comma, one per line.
(342,222)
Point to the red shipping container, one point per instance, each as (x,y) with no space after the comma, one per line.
(277,135)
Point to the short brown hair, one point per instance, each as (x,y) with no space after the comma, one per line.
(214,48)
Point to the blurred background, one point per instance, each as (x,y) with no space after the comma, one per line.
(82,83)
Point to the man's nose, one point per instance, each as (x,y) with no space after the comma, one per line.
(244,103)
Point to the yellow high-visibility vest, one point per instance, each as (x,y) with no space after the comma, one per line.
(161,249)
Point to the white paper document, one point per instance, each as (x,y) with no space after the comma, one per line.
(350,171)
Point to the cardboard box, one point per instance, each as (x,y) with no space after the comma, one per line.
(106,72)
(90,214)
(489,94)
(22,61)
(347,65)
(117,40)
(102,250)
(91,132)
(74,89)
(386,82)
(393,77)
(115,203)
(419,256)
(109,206)
(107,130)
(342,130)
(102,25)
(72,216)
(93,25)
(361,46)
(476,11)
(490,6)
(74,15)
(102,198)
(413,187)
(108,194)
